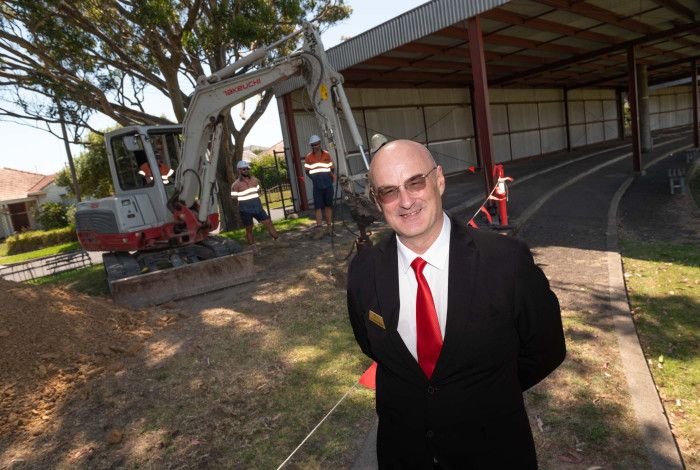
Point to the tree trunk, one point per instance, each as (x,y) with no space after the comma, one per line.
(228,208)
(232,153)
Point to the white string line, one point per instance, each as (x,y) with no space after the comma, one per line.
(317,426)
(483,203)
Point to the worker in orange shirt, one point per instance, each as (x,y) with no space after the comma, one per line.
(165,171)
(245,190)
(319,166)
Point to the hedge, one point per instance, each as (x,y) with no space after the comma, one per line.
(38,239)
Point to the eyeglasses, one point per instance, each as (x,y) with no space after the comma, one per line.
(316,145)
(389,194)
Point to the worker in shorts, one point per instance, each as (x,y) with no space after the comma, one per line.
(319,166)
(246,190)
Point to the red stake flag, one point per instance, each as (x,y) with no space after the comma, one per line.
(368,379)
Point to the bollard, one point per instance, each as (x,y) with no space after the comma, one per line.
(500,193)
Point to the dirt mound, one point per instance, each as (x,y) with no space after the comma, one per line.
(52,342)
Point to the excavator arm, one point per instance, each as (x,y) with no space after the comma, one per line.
(215,95)
(157,236)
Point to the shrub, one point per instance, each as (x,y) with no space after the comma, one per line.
(52,215)
(264,169)
(37,239)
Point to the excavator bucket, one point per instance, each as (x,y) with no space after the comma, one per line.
(143,279)
(158,287)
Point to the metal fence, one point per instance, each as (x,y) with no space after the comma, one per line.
(45,266)
(279,196)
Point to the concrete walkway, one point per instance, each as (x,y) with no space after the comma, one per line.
(565,207)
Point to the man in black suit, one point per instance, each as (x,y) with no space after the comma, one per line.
(460,322)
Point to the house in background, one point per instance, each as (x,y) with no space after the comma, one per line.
(21,194)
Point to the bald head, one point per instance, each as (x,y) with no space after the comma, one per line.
(408,187)
(398,151)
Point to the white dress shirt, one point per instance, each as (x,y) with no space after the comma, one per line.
(436,274)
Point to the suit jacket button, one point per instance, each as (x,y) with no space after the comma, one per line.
(431,389)
(430,434)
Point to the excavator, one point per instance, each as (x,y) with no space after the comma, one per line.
(156,231)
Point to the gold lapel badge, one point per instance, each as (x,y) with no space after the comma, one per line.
(376,319)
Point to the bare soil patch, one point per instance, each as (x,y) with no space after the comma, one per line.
(53,343)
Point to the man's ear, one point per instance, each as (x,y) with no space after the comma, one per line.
(440,179)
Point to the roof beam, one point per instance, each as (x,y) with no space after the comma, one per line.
(606,16)
(677,7)
(539,24)
(600,14)
(651,68)
(599,52)
(356,75)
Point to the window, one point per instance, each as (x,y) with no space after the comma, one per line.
(129,156)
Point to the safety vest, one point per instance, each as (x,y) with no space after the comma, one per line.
(165,171)
(246,194)
(320,164)
(318,167)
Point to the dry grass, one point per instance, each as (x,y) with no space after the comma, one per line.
(236,379)
(580,415)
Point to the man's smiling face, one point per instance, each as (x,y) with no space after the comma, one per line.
(415,215)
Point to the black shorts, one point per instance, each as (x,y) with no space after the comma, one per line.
(323,197)
(259,215)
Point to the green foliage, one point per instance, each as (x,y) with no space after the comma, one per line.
(92,169)
(264,169)
(37,239)
(53,215)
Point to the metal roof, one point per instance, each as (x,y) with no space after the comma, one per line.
(527,43)
(405,28)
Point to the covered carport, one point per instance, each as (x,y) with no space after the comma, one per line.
(495,81)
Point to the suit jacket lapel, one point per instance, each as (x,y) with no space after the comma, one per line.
(387,292)
(461,286)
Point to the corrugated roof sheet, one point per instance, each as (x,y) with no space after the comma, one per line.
(414,24)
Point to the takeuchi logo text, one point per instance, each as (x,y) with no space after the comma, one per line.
(241,87)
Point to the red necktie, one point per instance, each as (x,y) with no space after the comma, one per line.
(429,338)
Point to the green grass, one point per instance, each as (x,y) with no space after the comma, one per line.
(52,250)
(663,282)
(276,203)
(260,233)
(91,280)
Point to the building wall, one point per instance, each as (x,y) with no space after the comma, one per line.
(525,122)
(53,193)
(670,107)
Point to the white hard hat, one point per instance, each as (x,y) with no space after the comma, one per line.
(314,139)
(242,164)
(376,142)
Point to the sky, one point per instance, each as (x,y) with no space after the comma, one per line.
(30,149)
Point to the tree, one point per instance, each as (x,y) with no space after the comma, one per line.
(104,56)
(92,169)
